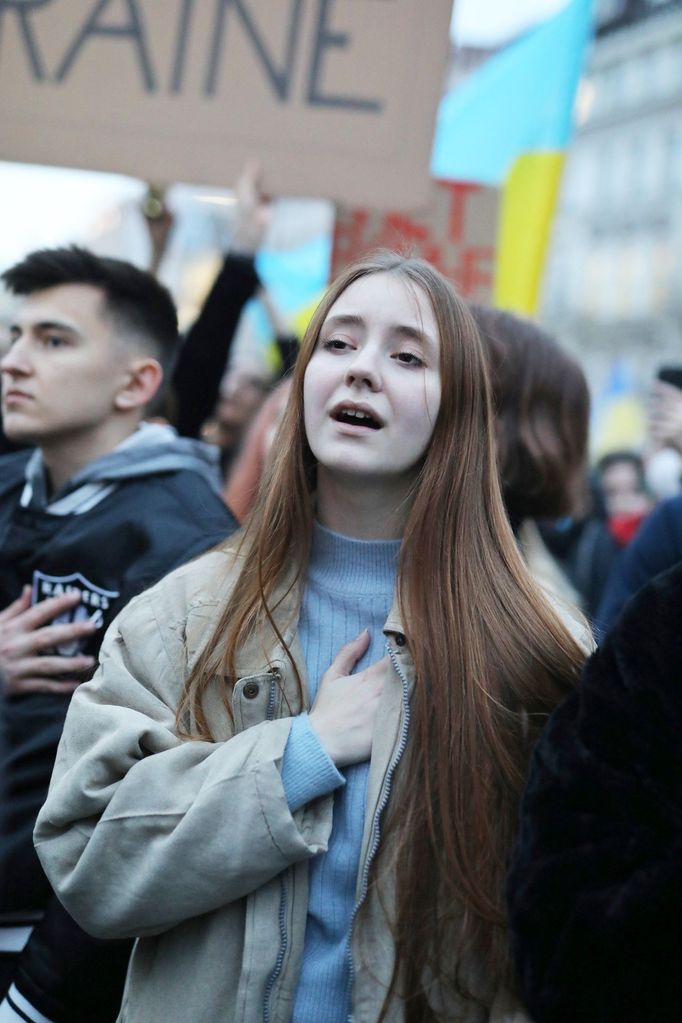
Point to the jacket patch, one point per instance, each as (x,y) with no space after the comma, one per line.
(94,602)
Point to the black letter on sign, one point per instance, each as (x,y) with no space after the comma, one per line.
(324,41)
(23,9)
(280,79)
(181,45)
(134,29)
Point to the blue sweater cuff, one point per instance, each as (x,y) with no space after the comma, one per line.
(308,772)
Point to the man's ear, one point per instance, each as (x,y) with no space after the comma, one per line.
(143,379)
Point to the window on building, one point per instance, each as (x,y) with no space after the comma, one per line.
(653,167)
(666,71)
(622,159)
(633,84)
(676,158)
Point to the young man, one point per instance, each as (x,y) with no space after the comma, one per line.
(96,511)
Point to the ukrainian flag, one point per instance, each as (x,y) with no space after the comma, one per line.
(296,277)
(618,412)
(508,125)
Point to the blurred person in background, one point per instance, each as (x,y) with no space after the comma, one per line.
(541,404)
(295,775)
(663,467)
(243,389)
(215,391)
(241,486)
(657,545)
(621,479)
(95,510)
(656,548)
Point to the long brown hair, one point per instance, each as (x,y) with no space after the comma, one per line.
(491,657)
(541,403)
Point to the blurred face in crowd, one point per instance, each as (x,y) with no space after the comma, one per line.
(622,489)
(64,368)
(372,387)
(242,393)
(280,398)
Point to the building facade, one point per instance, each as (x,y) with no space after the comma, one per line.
(613,286)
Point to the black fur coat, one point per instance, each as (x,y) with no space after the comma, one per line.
(595,887)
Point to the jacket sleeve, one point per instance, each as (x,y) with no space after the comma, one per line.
(205,352)
(595,887)
(142,830)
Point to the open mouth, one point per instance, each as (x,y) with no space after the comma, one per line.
(355,416)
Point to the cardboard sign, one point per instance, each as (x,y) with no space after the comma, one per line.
(336,97)
(456,232)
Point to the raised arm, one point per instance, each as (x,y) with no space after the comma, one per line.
(205,353)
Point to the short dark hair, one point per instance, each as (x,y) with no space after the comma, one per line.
(542,408)
(626,457)
(133,298)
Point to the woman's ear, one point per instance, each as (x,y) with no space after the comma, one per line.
(143,379)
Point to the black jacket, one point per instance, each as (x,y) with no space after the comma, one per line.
(156,517)
(595,887)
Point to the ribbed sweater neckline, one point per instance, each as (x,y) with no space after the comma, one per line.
(347,565)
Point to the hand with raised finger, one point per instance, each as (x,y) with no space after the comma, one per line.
(345,709)
(28,637)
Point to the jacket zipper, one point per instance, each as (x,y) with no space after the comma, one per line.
(283,942)
(376,823)
(272,697)
(283,893)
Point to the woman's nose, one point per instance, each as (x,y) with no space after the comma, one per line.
(363,371)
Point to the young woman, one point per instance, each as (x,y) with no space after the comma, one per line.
(295,774)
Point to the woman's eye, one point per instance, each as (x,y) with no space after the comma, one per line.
(335,344)
(408,359)
(53,341)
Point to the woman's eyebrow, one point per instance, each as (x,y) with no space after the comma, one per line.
(413,334)
(344,320)
(399,330)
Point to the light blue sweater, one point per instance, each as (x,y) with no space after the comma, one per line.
(349,587)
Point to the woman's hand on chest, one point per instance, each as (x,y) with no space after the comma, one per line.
(345,709)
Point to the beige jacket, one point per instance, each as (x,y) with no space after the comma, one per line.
(190,846)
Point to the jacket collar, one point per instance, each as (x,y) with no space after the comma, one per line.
(394,622)
(263,649)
